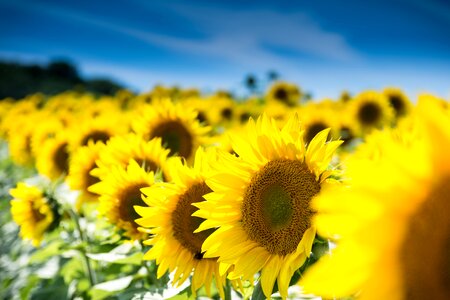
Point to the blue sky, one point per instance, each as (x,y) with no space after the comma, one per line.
(324,46)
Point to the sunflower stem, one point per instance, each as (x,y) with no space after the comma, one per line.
(227,290)
(83,238)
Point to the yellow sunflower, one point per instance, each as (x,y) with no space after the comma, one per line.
(119,192)
(82,162)
(284,92)
(371,110)
(31,211)
(260,204)
(175,245)
(175,124)
(150,155)
(392,220)
(398,101)
(53,157)
(315,118)
(97,129)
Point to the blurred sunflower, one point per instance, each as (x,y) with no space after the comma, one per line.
(19,141)
(392,222)
(371,110)
(260,203)
(96,129)
(169,217)
(45,130)
(315,118)
(175,124)
(53,157)
(398,101)
(82,162)
(284,92)
(150,155)
(119,191)
(31,211)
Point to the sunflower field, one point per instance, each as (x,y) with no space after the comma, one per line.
(173,194)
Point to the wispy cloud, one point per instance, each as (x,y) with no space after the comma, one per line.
(245,37)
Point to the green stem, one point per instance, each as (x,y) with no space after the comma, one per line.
(227,290)
(83,238)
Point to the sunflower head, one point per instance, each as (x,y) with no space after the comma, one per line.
(33,212)
(286,93)
(119,191)
(260,204)
(398,101)
(53,158)
(177,127)
(371,110)
(392,228)
(176,244)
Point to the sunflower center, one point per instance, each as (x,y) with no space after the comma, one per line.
(175,137)
(37,215)
(130,197)
(61,158)
(281,94)
(226,113)
(184,223)
(398,105)
(369,113)
(147,165)
(95,136)
(201,117)
(313,130)
(275,209)
(425,251)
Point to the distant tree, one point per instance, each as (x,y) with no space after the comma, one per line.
(18,80)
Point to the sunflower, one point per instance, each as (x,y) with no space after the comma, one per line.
(392,227)
(284,92)
(316,118)
(260,204)
(150,155)
(175,245)
(175,124)
(31,211)
(82,162)
(97,129)
(371,110)
(119,192)
(53,157)
(398,101)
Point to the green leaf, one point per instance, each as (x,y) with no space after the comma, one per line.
(44,253)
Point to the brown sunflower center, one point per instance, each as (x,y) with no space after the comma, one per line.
(37,215)
(398,104)
(424,255)
(281,94)
(95,136)
(184,223)
(201,117)
(226,113)
(147,164)
(369,113)
(61,158)
(276,208)
(314,129)
(130,197)
(175,137)
(425,251)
